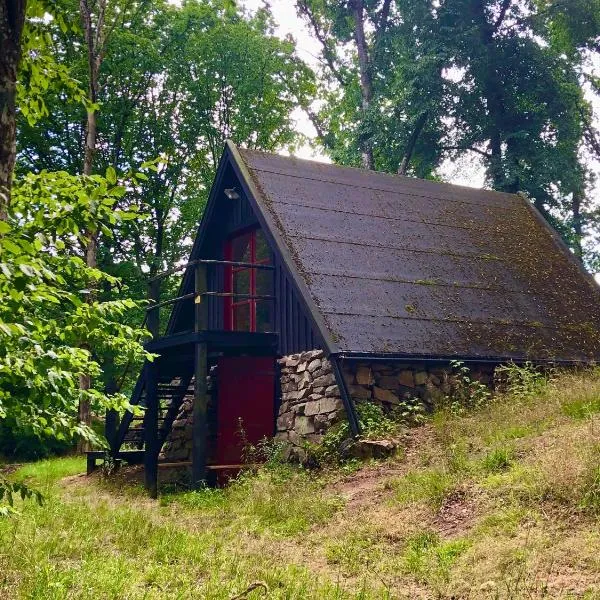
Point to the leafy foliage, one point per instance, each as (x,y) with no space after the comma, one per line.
(43,316)
(498,82)
(10,489)
(468,392)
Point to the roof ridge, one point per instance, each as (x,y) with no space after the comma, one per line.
(395,176)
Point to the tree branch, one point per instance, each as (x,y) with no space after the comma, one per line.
(328,54)
(412,142)
(366,83)
(470,148)
(505,6)
(383,17)
(317,124)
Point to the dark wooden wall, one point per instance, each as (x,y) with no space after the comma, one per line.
(290,320)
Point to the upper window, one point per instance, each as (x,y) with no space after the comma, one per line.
(243,311)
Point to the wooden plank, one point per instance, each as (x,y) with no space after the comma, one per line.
(111,424)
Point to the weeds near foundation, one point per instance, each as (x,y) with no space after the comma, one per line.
(523,381)
(468,392)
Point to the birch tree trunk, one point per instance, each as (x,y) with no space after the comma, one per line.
(12,20)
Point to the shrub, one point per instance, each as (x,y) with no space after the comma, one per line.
(16,444)
(374,422)
(522,381)
(429,559)
(468,392)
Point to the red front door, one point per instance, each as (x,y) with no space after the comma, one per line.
(246,405)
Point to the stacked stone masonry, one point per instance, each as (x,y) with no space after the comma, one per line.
(311,401)
(310,398)
(178,446)
(389,384)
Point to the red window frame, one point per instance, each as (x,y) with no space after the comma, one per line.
(231,303)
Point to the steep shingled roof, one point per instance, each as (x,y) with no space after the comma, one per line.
(404,266)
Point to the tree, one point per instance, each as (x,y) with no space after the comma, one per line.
(12,21)
(497,79)
(175,82)
(44,283)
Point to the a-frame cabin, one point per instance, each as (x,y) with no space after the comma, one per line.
(238,290)
(311,288)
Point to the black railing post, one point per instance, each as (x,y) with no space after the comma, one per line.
(200,425)
(152,408)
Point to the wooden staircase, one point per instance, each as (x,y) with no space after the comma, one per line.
(173,385)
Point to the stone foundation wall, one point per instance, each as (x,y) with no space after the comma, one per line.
(178,445)
(310,398)
(311,401)
(388,384)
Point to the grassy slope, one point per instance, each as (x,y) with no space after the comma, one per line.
(502,502)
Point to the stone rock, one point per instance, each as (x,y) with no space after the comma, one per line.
(314,365)
(304,425)
(421,378)
(291,361)
(315,396)
(328,405)
(324,380)
(348,377)
(289,387)
(290,396)
(332,390)
(360,392)
(285,421)
(324,370)
(388,381)
(321,422)
(293,437)
(364,375)
(305,380)
(303,393)
(372,448)
(406,379)
(301,367)
(385,395)
(314,438)
(312,408)
(434,380)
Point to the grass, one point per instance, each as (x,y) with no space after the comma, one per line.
(500,502)
(431,487)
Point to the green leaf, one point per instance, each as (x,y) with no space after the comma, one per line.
(111,175)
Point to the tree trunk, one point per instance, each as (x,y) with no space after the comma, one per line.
(366,83)
(85,381)
(12,20)
(93,40)
(412,142)
(492,90)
